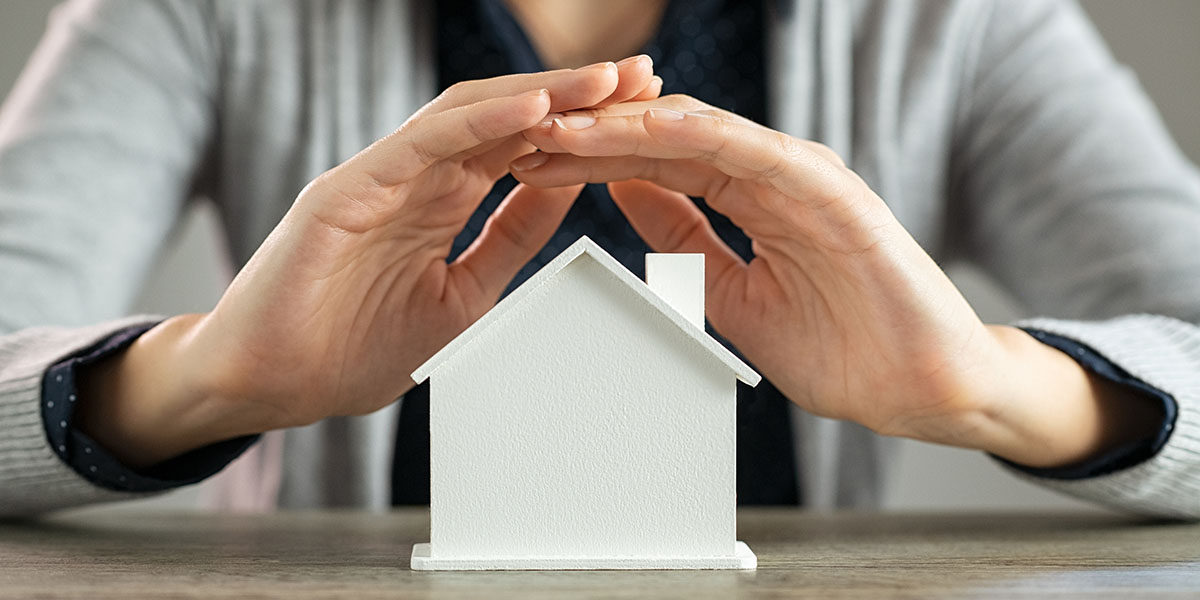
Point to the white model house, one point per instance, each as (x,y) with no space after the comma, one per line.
(586,422)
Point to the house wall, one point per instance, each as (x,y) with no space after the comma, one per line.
(583,423)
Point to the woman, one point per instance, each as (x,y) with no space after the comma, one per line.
(1000,137)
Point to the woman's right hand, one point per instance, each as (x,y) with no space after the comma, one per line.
(351,292)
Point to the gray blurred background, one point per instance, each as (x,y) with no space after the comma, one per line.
(1157,38)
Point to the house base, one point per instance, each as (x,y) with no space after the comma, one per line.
(742,558)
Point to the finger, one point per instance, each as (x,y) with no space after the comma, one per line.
(747,204)
(616,131)
(740,149)
(634,75)
(753,207)
(569,88)
(691,177)
(428,139)
(621,135)
(638,106)
(727,195)
(541,135)
(651,91)
(669,221)
(512,236)
(619,131)
(493,159)
(487,167)
(634,107)
(582,134)
(541,138)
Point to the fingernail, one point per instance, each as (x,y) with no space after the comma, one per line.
(666,114)
(529,161)
(633,59)
(575,123)
(549,120)
(599,65)
(540,92)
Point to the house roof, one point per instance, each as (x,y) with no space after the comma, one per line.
(585,246)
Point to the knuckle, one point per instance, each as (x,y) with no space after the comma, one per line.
(717,194)
(826,152)
(349,202)
(721,143)
(651,170)
(785,153)
(685,103)
(511,228)
(425,157)
(480,129)
(676,100)
(449,98)
(848,191)
(683,230)
(456,89)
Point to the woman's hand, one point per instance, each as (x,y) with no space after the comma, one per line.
(351,291)
(840,307)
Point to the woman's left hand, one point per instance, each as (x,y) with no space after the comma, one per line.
(840,307)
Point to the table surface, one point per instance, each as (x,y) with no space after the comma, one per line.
(365,555)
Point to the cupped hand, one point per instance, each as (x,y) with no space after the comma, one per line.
(840,307)
(352,290)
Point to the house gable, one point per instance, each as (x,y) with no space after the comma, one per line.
(586,249)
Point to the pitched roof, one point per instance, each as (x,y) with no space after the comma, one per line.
(585,246)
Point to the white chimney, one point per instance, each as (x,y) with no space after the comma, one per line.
(679,280)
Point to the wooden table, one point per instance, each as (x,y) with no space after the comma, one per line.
(363,555)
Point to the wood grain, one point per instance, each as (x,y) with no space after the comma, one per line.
(333,554)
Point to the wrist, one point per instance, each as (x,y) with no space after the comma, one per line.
(156,399)
(1043,409)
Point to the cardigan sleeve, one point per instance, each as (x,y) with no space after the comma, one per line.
(61,398)
(33,479)
(100,142)
(1073,196)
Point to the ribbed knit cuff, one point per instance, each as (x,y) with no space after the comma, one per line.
(1165,354)
(33,479)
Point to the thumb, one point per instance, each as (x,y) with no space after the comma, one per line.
(512,236)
